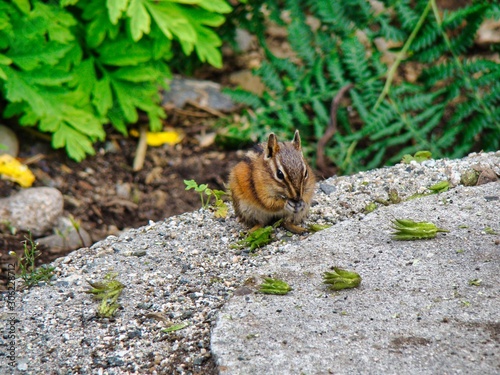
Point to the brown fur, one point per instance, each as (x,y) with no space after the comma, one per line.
(260,197)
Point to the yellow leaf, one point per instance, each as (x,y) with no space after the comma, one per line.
(11,169)
(159,138)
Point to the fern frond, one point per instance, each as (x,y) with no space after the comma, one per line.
(333,14)
(407,15)
(300,37)
(244,97)
(270,77)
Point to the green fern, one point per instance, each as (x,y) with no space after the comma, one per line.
(450,107)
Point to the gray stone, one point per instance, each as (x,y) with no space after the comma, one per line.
(327,188)
(66,237)
(244,39)
(205,93)
(35,209)
(8,139)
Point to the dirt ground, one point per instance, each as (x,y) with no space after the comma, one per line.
(106,196)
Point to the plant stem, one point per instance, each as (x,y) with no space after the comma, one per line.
(402,55)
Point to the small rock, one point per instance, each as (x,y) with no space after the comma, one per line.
(205,93)
(327,188)
(247,81)
(9,140)
(244,39)
(35,209)
(66,238)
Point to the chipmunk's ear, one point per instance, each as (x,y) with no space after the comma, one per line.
(296,141)
(272,146)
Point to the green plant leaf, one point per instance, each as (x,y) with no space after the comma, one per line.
(341,279)
(274,286)
(140,21)
(115,9)
(407,230)
(176,327)
(216,6)
(172,21)
(23,5)
(102,98)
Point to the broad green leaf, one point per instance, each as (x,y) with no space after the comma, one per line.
(17,90)
(3,75)
(56,21)
(76,144)
(23,5)
(5,60)
(217,6)
(140,21)
(65,3)
(49,76)
(206,48)
(102,97)
(99,25)
(125,100)
(141,73)
(171,20)
(201,16)
(31,55)
(115,9)
(124,52)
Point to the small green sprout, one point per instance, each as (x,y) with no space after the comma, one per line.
(274,286)
(108,291)
(489,230)
(26,264)
(257,238)
(469,177)
(176,327)
(318,227)
(440,187)
(204,190)
(370,207)
(419,157)
(394,197)
(412,230)
(77,226)
(341,279)
(475,282)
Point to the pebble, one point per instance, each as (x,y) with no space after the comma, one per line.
(9,141)
(35,209)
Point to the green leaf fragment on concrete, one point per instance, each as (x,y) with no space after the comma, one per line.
(318,227)
(274,286)
(407,230)
(107,291)
(176,327)
(341,279)
(475,282)
(257,238)
(440,187)
(419,157)
(489,230)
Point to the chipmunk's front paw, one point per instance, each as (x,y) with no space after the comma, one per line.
(294,228)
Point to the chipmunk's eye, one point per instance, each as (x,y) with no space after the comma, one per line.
(306,174)
(280,174)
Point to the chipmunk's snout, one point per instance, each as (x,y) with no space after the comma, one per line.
(295,205)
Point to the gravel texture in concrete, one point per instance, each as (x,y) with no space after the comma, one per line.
(415,311)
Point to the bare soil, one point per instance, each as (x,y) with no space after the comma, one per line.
(106,196)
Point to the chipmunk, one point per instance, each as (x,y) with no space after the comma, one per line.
(273,182)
